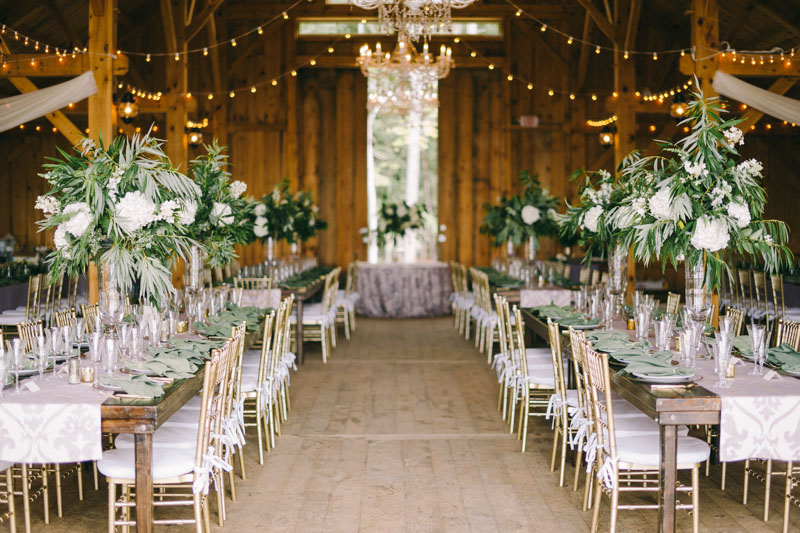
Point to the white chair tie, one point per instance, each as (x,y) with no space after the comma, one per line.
(238,417)
(582,424)
(265,398)
(554,405)
(207,471)
(608,472)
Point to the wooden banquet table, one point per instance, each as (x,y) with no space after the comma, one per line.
(669,406)
(300,296)
(404,290)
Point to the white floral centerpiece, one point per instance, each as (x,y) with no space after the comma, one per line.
(394,220)
(122,206)
(695,203)
(522,217)
(222,214)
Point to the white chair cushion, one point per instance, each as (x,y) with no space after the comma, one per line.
(541,376)
(646,451)
(164,437)
(637,426)
(12,320)
(251,357)
(249,379)
(166,463)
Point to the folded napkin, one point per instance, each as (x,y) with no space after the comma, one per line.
(604,335)
(611,344)
(134,385)
(635,354)
(165,365)
(785,357)
(220,325)
(659,364)
(553,311)
(577,320)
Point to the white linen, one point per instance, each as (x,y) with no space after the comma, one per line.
(19,109)
(60,423)
(544,296)
(778,106)
(262,299)
(404,290)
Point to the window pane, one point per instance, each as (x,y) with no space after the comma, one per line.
(484,28)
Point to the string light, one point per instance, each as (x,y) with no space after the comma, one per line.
(569,40)
(543,28)
(597,49)
(602,123)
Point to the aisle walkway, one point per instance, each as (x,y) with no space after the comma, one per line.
(399,433)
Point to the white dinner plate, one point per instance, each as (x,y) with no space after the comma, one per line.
(112,388)
(663,379)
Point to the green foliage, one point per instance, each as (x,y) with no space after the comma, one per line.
(694,203)
(288,217)
(123,203)
(529,214)
(395,219)
(222,219)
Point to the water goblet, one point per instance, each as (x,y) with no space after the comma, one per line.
(42,356)
(96,348)
(722,353)
(3,370)
(123,330)
(608,313)
(110,354)
(688,348)
(66,340)
(15,347)
(758,337)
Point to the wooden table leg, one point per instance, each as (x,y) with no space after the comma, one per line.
(667,478)
(144,482)
(299,303)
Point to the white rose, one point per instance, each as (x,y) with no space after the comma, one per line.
(530,214)
(187,213)
(134,211)
(221,214)
(551,213)
(60,237)
(591,217)
(710,234)
(260,230)
(660,204)
(740,213)
(238,188)
(260,210)
(80,220)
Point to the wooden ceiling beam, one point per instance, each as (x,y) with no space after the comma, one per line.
(261,12)
(202,19)
(602,22)
(650,108)
(168,19)
(69,31)
(216,69)
(778,18)
(52,66)
(747,69)
(524,27)
(244,56)
(583,59)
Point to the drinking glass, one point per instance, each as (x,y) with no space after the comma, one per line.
(110,354)
(608,313)
(42,356)
(15,347)
(688,348)
(642,319)
(722,354)
(155,328)
(96,348)
(136,351)
(124,331)
(663,333)
(3,370)
(66,340)
(758,337)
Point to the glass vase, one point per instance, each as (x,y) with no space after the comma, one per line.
(617,269)
(110,298)
(698,298)
(194,274)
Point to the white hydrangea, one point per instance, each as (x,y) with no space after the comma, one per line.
(660,204)
(276,195)
(530,214)
(402,210)
(167,211)
(710,234)
(740,213)
(720,193)
(551,213)
(695,169)
(237,188)
(260,209)
(60,237)
(80,220)
(639,205)
(751,167)
(221,214)
(260,229)
(187,213)
(591,217)
(134,211)
(48,204)
(734,136)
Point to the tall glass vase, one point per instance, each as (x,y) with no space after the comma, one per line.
(617,269)
(110,298)
(511,253)
(698,298)
(194,274)
(530,260)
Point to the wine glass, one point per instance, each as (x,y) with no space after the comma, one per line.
(3,370)
(757,334)
(15,347)
(96,348)
(110,354)
(42,355)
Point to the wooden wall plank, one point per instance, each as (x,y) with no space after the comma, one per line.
(483,174)
(359,213)
(447,158)
(464,132)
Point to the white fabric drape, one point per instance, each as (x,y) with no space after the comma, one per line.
(765,101)
(22,108)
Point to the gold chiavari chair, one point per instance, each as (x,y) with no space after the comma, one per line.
(174,469)
(72,291)
(10,319)
(534,384)
(745,290)
(65,318)
(465,300)
(346,302)
(673,303)
(788,332)
(563,403)
(759,292)
(631,464)
(454,297)
(52,296)
(27,332)
(253,284)
(90,315)
(506,362)
(7,496)
(737,315)
(318,324)
(256,388)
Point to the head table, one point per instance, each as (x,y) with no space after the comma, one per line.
(62,423)
(397,290)
(758,418)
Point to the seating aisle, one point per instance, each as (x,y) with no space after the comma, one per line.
(399,432)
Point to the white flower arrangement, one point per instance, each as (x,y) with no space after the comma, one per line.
(592,217)
(710,234)
(221,214)
(238,188)
(740,213)
(134,211)
(530,214)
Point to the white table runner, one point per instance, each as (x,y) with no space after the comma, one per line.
(544,296)
(60,423)
(759,418)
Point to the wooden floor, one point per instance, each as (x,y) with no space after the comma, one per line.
(399,432)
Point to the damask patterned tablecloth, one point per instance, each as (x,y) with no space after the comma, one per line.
(758,418)
(403,290)
(263,299)
(59,423)
(544,296)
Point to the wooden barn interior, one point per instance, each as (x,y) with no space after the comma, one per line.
(536,94)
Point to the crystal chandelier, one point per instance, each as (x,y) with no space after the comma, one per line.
(403,80)
(415,18)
